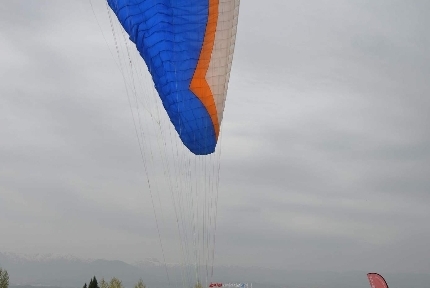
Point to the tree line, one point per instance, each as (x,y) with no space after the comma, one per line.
(116,283)
(113,283)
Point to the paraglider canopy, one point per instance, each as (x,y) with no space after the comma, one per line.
(188,47)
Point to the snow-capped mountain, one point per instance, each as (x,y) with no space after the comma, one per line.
(154,262)
(69,271)
(38,257)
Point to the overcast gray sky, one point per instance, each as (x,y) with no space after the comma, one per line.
(325,148)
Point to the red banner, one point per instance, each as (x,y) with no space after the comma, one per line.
(377,281)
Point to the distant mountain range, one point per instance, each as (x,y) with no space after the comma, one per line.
(68,271)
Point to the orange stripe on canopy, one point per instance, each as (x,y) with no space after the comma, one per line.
(199,85)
